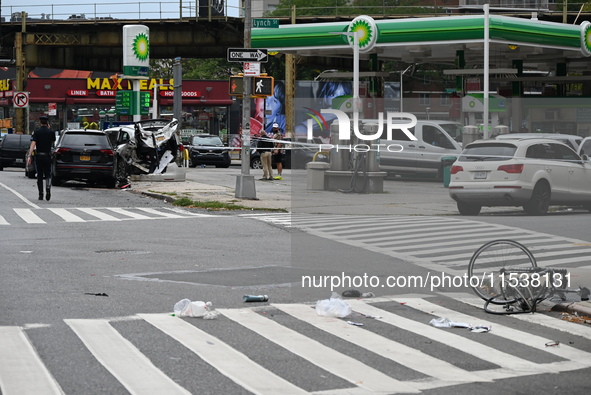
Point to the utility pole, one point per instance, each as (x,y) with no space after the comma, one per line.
(245,187)
(20,123)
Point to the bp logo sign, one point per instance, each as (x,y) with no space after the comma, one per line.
(141,47)
(136,51)
(367,32)
(586,38)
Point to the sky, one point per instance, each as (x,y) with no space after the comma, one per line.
(63,9)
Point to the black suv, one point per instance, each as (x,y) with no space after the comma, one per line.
(208,149)
(84,155)
(13,149)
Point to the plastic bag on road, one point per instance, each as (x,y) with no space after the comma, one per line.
(187,308)
(333,307)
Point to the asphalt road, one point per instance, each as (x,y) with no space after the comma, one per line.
(91,277)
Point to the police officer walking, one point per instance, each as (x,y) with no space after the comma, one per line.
(42,142)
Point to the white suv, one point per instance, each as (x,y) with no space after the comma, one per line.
(533,173)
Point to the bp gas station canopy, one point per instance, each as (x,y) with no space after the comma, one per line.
(539,45)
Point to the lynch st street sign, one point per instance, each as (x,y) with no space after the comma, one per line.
(247,55)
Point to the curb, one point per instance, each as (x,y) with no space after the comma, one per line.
(573,307)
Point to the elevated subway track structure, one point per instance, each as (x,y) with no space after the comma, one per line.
(89,36)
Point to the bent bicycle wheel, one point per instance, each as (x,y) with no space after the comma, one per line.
(489,265)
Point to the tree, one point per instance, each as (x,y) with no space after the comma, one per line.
(195,69)
(310,7)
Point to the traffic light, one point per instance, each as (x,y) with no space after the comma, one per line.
(262,86)
(236,86)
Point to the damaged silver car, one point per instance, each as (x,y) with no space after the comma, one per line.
(145,147)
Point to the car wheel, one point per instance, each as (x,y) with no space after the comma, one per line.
(29,174)
(539,201)
(256,163)
(110,182)
(121,174)
(192,164)
(468,209)
(56,181)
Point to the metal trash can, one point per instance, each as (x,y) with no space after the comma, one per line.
(446,162)
(315,176)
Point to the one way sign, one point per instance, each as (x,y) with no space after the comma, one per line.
(247,55)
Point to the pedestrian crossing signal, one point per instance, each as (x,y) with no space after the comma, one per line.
(236,87)
(263,86)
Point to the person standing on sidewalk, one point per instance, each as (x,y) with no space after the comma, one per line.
(42,142)
(265,146)
(278,151)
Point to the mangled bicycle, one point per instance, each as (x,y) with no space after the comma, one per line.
(505,274)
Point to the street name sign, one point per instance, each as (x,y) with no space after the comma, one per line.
(265,22)
(247,55)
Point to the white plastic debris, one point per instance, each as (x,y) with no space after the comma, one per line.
(333,307)
(443,322)
(187,308)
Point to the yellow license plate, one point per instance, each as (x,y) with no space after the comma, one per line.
(84,157)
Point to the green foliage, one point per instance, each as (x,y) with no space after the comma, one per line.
(310,7)
(194,69)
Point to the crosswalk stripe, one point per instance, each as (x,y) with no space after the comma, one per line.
(28,216)
(128,213)
(228,361)
(132,368)
(540,319)
(163,214)
(513,366)
(3,221)
(395,351)
(66,215)
(528,339)
(328,359)
(378,228)
(99,214)
(438,234)
(21,370)
(373,224)
(188,213)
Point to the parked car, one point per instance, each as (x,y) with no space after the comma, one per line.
(572,140)
(435,140)
(585,147)
(208,149)
(13,150)
(85,155)
(533,173)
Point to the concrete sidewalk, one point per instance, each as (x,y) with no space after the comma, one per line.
(291,194)
(400,197)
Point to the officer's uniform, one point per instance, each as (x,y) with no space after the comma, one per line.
(44,139)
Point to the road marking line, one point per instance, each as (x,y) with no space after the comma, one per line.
(99,214)
(122,359)
(188,213)
(22,371)
(163,214)
(128,213)
(66,215)
(510,364)
(3,221)
(324,357)
(400,353)
(228,361)
(21,197)
(528,339)
(28,216)
(540,319)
